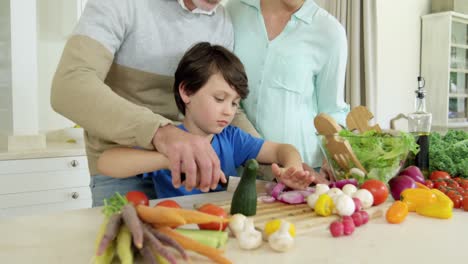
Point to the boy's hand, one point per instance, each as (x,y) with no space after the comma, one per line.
(320,177)
(190,154)
(295,178)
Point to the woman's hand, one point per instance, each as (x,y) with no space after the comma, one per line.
(295,178)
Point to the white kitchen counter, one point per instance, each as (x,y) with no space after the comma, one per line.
(69,238)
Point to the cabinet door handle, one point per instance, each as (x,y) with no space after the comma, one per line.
(75,195)
(74,163)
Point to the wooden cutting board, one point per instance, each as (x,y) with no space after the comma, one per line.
(301,215)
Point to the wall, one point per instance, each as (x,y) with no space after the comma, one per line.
(5,72)
(56,19)
(398,55)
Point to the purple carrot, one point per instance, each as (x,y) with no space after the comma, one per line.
(112,229)
(158,246)
(148,256)
(170,242)
(133,223)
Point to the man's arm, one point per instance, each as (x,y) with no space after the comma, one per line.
(128,162)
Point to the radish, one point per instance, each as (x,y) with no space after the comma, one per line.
(336,228)
(357,219)
(348,227)
(364,216)
(357,204)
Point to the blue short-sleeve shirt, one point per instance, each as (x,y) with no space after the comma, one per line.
(233,147)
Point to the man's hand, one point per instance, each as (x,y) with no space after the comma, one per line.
(190,154)
(295,178)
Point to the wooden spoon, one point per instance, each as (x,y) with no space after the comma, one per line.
(339,148)
(358,119)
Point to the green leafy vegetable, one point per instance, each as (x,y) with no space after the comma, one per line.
(449,152)
(114,204)
(381,154)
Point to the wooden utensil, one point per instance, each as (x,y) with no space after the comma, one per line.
(358,119)
(340,149)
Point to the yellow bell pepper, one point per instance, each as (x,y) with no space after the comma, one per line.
(417,197)
(442,208)
(324,205)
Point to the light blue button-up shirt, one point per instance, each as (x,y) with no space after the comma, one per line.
(293,77)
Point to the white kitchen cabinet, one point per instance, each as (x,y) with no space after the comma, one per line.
(444,65)
(44,185)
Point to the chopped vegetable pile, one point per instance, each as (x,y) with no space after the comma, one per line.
(382,154)
(449,153)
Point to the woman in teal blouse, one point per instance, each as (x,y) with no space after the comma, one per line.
(295,56)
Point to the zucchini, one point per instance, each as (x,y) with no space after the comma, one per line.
(244,200)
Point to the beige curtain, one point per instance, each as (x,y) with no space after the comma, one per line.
(359,19)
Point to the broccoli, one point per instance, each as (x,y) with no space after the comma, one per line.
(449,153)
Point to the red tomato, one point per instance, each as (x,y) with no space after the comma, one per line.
(137,198)
(169,203)
(378,189)
(464,185)
(439,175)
(213,210)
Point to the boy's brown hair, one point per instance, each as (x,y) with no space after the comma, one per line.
(202,61)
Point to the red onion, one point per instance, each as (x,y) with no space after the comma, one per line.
(275,192)
(399,183)
(292,197)
(414,173)
(339,184)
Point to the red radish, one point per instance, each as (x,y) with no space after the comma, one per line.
(357,219)
(364,216)
(357,204)
(348,227)
(336,228)
(346,218)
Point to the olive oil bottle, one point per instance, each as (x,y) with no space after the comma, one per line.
(419,124)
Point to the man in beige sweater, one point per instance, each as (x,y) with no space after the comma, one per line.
(115,80)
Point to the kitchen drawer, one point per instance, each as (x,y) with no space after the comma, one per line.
(73,196)
(42,165)
(30,175)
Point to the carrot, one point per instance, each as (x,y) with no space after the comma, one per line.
(133,223)
(169,241)
(112,229)
(124,245)
(160,215)
(157,246)
(109,252)
(190,244)
(197,217)
(147,255)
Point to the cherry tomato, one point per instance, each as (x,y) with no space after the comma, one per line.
(169,203)
(465,203)
(464,185)
(439,175)
(213,210)
(137,198)
(452,184)
(458,180)
(429,184)
(451,192)
(378,189)
(456,199)
(460,190)
(439,184)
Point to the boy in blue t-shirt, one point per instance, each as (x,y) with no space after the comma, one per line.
(209,83)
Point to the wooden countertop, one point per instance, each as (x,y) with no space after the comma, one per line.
(69,238)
